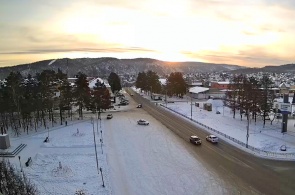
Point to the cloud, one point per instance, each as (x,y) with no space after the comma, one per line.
(99,50)
(252,56)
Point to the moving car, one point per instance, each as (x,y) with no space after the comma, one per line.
(142,122)
(195,140)
(109,116)
(212,138)
(139,106)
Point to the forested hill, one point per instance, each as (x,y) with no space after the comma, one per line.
(104,66)
(287,68)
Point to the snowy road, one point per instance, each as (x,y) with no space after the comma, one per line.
(153,160)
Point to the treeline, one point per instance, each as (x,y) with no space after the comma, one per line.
(250,96)
(27,103)
(175,84)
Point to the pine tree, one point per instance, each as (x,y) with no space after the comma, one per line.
(114,82)
(82,92)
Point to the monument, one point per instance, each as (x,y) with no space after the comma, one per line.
(4,141)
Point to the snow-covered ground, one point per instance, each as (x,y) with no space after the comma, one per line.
(134,159)
(268,139)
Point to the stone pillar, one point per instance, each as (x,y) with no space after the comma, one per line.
(4,141)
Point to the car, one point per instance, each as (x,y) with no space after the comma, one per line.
(142,122)
(217,112)
(124,103)
(139,106)
(195,140)
(109,116)
(131,94)
(212,138)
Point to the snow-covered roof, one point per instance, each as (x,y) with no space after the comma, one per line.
(163,81)
(223,82)
(198,89)
(284,85)
(93,81)
(224,90)
(196,83)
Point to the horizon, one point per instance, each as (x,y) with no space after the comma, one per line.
(137,58)
(219,31)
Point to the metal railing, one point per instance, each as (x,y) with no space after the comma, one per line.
(253,149)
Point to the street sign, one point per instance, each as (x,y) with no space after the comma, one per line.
(285,108)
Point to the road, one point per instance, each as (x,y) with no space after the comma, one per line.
(260,176)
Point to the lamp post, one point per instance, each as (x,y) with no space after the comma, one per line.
(92,122)
(101,177)
(248,124)
(101,146)
(191,107)
(166,95)
(20,164)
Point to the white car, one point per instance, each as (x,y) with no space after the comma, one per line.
(212,138)
(142,122)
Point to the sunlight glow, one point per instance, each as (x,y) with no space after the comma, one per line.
(172,30)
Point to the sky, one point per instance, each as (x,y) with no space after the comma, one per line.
(252,33)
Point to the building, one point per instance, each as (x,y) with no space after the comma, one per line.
(220,85)
(199,92)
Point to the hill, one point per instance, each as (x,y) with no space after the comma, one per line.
(104,66)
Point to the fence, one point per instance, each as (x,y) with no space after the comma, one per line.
(253,149)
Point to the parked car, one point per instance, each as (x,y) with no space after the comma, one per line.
(212,138)
(123,103)
(142,122)
(195,140)
(109,116)
(139,106)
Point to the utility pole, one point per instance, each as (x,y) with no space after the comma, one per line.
(92,121)
(248,123)
(166,96)
(285,114)
(191,107)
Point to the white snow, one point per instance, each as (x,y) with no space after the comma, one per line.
(136,159)
(198,89)
(50,63)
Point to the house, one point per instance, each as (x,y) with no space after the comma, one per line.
(196,84)
(284,88)
(220,85)
(199,92)
(155,96)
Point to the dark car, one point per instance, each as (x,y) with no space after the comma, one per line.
(109,116)
(139,106)
(195,140)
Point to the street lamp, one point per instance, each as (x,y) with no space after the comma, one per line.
(101,177)
(92,122)
(20,164)
(248,126)
(101,146)
(191,107)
